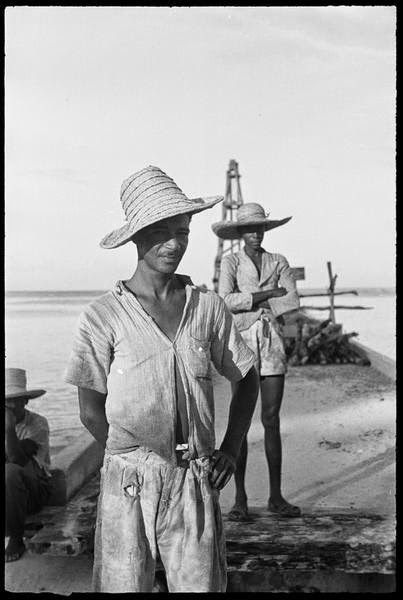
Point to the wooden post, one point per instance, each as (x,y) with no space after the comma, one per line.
(332,280)
(232,201)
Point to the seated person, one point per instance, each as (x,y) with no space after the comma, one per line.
(27,460)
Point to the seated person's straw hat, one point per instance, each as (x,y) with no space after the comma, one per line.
(16,385)
(149,196)
(248,214)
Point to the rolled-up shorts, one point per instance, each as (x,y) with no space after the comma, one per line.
(265,339)
(150,510)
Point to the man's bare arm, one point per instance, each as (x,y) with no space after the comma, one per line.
(92,414)
(259,299)
(243,404)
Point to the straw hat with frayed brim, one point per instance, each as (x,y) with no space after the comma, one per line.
(248,214)
(149,196)
(16,386)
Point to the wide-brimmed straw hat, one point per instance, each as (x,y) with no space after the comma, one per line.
(149,196)
(16,385)
(248,214)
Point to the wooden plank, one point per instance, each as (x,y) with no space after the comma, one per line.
(324,550)
(274,554)
(339,306)
(65,531)
(302,295)
(347,540)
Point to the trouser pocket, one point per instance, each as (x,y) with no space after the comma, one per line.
(132,481)
(121,478)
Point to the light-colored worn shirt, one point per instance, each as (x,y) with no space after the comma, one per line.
(239,278)
(36,428)
(119,350)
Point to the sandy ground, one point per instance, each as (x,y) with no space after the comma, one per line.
(338,430)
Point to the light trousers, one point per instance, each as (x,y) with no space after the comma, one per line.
(265,339)
(148,508)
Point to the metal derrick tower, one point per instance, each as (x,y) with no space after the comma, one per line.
(232,201)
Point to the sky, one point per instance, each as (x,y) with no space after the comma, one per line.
(303,98)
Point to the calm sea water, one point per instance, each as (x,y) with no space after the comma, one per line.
(39,330)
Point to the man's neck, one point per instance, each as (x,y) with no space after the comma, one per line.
(252,253)
(22,416)
(152,283)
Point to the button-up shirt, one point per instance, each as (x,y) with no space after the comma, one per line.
(239,278)
(119,350)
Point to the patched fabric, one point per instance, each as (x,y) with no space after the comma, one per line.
(150,510)
(119,350)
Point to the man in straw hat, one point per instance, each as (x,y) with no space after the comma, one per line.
(27,460)
(258,287)
(142,364)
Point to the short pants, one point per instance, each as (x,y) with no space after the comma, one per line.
(265,339)
(148,508)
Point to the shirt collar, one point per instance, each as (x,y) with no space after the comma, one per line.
(242,251)
(268,266)
(186,280)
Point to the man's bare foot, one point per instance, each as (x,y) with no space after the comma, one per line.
(283,508)
(239,512)
(14,550)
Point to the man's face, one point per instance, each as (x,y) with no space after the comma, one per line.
(17,406)
(253,235)
(163,244)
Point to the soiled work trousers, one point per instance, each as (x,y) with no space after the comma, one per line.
(147,508)
(27,490)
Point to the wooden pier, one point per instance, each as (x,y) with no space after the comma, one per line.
(323,550)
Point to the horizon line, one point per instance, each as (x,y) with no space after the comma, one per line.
(93,290)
